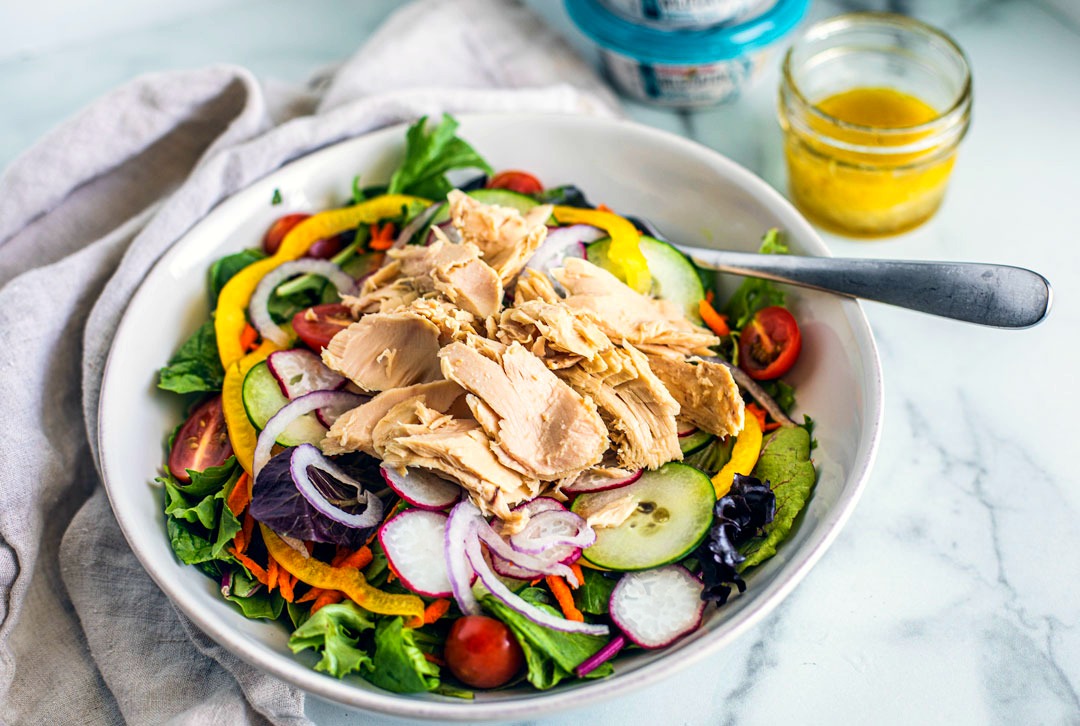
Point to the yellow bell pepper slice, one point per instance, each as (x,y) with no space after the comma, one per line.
(625,251)
(229,319)
(348,580)
(744,456)
(242,434)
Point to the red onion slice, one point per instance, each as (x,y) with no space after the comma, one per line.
(601,656)
(257,309)
(306,457)
(503,593)
(602,479)
(563,242)
(327,415)
(417,223)
(460,528)
(289,413)
(549,529)
(299,372)
(529,562)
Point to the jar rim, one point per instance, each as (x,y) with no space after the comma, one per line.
(846,21)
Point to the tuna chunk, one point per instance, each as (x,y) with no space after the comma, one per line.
(353,430)
(414,435)
(636,407)
(626,316)
(707,394)
(541,326)
(506,238)
(537,423)
(386,350)
(454,272)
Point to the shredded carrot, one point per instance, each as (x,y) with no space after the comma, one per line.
(311,594)
(435,610)
(759,413)
(271,574)
(240,541)
(285,584)
(248,337)
(359,559)
(716,322)
(382,238)
(246,528)
(535,582)
(432,658)
(330,597)
(239,496)
(562,594)
(256,570)
(578,574)
(604,208)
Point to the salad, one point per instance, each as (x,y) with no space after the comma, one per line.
(460,437)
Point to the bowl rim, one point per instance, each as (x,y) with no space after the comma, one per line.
(344,693)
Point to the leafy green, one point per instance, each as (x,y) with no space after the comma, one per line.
(550,655)
(593,596)
(276,198)
(223,270)
(200,524)
(211,479)
(781,392)
(712,458)
(252,599)
(753,295)
(196,367)
(190,547)
(399,664)
(335,632)
(429,155)
(567,195)
(785,463)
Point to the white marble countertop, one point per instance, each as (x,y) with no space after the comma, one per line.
(952,595)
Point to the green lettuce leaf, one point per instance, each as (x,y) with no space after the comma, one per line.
(201,506)
(196,367)
(752,294)
(223,270)
(190,547)
(335,632)
(785,464)
(550,655)
(429,155)
(594,595)
(399,664)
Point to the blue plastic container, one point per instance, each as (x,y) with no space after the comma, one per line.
(685,68)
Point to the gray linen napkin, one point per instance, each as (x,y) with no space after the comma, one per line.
(85,636)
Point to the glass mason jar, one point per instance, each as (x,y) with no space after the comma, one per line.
(869,172)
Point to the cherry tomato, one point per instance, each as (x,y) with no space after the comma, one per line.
(203,441)
(482,652)
(516,181)
(317,325)
(769,344)
(278,230)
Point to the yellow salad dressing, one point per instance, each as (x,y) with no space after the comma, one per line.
(854,169)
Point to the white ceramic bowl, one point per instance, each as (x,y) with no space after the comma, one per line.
(695,195)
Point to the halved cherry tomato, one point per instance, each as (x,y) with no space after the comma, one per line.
(278,230)
(317,325)
(769,344)
(482,652)
(202,442)
(521,182)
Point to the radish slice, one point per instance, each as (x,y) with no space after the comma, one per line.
(415,543)
(304,462)
(657,607)
(502,592)
(601,479)
(260,314)
(690,430)
(422,488)
(289,413)
(300,371)
(553,528)
(536,565)
(563,242)
(460,528)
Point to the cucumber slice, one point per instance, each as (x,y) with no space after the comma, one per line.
(263,398)
(674,512)
(695,442)
(675,277)
(501,197)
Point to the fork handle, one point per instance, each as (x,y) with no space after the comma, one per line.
(996,295)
